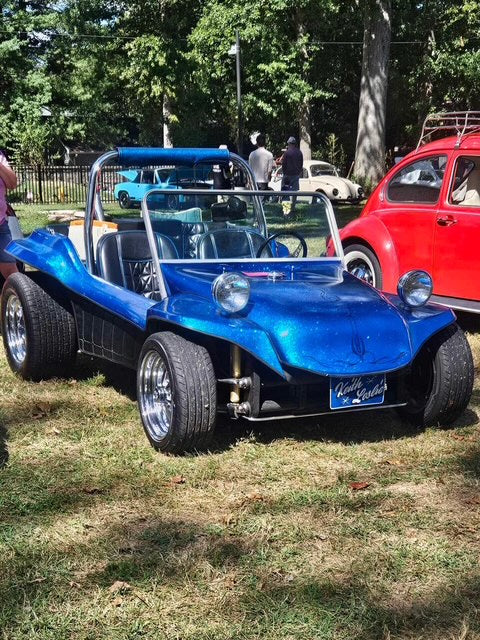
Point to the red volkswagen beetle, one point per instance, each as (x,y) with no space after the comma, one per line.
(425,214)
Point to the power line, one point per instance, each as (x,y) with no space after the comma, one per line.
(87,36)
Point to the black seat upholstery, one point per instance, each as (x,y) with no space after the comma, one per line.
(124,259)
(229,243)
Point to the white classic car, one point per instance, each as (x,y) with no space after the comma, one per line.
(324,178)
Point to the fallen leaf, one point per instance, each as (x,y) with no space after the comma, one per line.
(92,490)
(457,436)
(394,462)
(40,410)
(74,584)
(175,480)
(357,486)
(56,431)
(119,585)
(117,602)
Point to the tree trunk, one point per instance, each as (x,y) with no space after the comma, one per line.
(167,112)
(304,115)
(305,129)
(370,150)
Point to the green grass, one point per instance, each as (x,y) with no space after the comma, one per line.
(265,539)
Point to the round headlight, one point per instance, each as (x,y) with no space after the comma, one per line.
(335,192)
(231,291)
(415,288)
(360,191)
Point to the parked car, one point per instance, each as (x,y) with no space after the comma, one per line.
(138,182)
(323,177)
(221,315)
(425,214)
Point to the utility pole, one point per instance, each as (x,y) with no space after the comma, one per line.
(235,51)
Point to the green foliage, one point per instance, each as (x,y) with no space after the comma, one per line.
(113,71)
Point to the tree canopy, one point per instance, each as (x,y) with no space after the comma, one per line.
(115,71)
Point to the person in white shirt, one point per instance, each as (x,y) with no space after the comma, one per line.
(261,162)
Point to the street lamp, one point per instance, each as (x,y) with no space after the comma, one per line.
(235,51)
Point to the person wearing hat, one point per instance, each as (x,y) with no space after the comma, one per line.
(292,166)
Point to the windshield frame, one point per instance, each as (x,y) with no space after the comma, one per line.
(256,198)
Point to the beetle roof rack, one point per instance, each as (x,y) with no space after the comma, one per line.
(460,122)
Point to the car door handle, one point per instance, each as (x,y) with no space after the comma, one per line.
(446,221)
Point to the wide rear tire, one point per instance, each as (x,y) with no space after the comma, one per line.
(39,332)
(176,391)
(441,380)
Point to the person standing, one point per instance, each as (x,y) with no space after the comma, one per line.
(261,163)
(8,180)
(292,166)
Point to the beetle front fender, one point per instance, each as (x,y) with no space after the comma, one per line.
(370,231)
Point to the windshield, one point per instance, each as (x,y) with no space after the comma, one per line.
(237,224)
(322,170)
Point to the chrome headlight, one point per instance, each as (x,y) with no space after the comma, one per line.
(415,288)
(335,192)
(231,291)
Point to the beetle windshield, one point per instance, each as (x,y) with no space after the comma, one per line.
(323,169)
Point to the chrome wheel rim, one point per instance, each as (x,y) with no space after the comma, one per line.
(15,333)
(156,404)
(360,266)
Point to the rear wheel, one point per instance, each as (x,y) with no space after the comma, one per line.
(124,200)
(441,380)
(176,390)
(364,264)
(38,332)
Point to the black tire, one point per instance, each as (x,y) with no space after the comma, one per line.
(39,333)
(363,263)
(188,398)
(124,200)
(441,380)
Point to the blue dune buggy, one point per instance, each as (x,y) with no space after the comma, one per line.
(233,307)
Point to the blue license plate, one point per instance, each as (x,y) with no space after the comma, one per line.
(357,391)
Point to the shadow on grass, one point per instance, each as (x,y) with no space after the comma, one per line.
(178,555)
(349,428)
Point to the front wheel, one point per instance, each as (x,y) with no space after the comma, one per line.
(124,200)
(176,391)
(363,263)
(440,382)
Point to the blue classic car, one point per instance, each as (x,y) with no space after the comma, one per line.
(232,308)
(139,182)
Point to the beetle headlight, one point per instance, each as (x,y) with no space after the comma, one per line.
(335,192)
(231,291)
(415,288)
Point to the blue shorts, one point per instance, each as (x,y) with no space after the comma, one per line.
(5,238)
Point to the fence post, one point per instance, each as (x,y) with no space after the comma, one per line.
(39,178)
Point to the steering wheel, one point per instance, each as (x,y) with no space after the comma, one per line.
(302,244)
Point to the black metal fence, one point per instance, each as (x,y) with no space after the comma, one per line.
(60,184)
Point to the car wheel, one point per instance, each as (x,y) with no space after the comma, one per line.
(363,263)
(176,389)
(39,333)
(124,200)
(441,380)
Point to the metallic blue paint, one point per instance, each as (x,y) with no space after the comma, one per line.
(317,317)
(146,156)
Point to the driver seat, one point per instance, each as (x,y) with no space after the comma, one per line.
(230,243)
